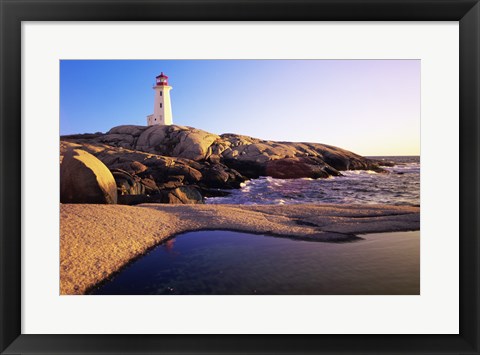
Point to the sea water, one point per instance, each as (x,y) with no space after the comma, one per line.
(400,185)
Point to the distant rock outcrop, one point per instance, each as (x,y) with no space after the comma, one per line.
(299,167)
(160,161)
(85,179)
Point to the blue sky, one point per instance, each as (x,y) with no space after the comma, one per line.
(371,107)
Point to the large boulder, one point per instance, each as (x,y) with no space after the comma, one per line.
(259,152)
(178,196)
(124,163)
(161,173)
(182,195)
(221,176)
(127,184)
(131,130)
(302,167)
(85,179)
(191,175)
(249,169)
(153,139)
(176,141)
(118,140)
(193,144)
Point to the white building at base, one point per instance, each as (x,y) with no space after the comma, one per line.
(162,109)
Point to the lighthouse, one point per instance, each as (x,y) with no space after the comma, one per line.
(162,108)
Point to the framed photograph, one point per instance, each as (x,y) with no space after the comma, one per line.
(240,177)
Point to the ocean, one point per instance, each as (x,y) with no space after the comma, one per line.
(399,186)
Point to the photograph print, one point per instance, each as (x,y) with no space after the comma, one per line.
(239,177)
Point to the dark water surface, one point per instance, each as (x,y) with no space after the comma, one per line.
(226,263)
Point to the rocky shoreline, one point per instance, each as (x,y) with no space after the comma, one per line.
(169,170)
(183,165)
(96,241)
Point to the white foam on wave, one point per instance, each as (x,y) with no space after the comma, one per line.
(354,186)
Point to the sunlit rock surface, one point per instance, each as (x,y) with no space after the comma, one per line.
(148,160)
(85,179)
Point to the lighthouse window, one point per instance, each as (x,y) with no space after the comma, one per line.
(160,93)
(160,105)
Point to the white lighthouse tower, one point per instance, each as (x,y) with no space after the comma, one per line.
(162,109)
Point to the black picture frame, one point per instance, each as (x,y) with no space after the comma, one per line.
(13,12)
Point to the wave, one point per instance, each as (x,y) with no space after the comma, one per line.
(401,186)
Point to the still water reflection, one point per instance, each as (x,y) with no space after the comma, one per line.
(225,263)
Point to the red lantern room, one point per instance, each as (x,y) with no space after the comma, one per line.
(162,79)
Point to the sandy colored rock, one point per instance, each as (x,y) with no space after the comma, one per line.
(196,144)
(151,138)
(127,184)
(193,144)
(182,195)
(97,240)
(85,179)
(131,130)
(212,161)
